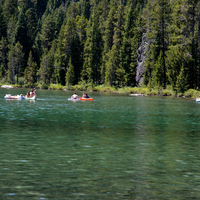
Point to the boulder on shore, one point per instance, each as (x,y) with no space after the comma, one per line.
(7,86)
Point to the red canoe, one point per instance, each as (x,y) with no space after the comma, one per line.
(86,99)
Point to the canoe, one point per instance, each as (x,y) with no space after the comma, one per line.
(17,97)
(71,99)
(86,99)
(31,98)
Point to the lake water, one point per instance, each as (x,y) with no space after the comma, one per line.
(115,147)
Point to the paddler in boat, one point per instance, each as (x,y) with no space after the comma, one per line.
(75,96)
(33,93)
(85,96)
(28,94)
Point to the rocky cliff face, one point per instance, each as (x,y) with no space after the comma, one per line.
(141,52)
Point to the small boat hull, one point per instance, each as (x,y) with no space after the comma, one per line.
(198,100)
(86,99)
(31,98)
(17,97)
(71,99)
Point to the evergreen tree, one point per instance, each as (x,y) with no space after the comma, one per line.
(111,67)
(18,59)
(85,8)
(41,7)
(181,38)
(113,64)
(31,20)
(47,65)
(37,49)
(126,47)
(31,70)
(107,39)
(157,72)
(3,57)
(51,56)
(59,19)
(182,80)
(68,48)
(197,36)
(157,20)
(81,23)
(10,8)
(70,75)
(3,26)
(21,29)
(11,65)
(73,10)
(21,35)
(174,61)
(103,11)
(11,30)
(92,51)
(47,33)
(178,63)
(43,71)
(149,65)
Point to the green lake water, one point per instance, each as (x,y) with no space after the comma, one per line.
(115,147)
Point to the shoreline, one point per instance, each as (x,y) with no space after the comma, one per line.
(132,91)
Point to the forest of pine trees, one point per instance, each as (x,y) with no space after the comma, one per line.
(111,42)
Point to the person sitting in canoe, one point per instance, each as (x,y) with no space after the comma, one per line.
(83,95)
(86,96)
(33,93)
(28,94)
(75,96)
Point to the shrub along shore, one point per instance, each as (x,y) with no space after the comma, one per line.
(191,93)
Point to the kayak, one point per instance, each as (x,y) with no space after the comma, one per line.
(71,99)
(198,100)
(31,98)
(17,97)
(86,99)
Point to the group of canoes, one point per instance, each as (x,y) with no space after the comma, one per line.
(31,95)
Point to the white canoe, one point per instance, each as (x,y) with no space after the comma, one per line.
(17,97)
(30,98)
(71,99)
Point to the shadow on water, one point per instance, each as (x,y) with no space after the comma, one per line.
(115,147)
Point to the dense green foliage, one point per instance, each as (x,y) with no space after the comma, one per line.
(95,42)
